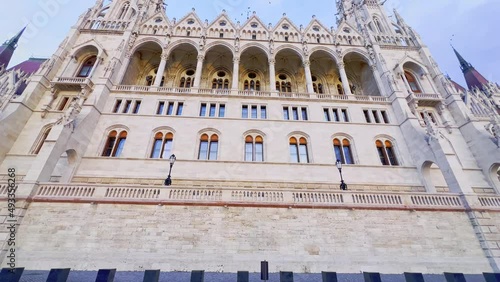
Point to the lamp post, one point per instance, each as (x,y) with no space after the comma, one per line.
(168,181)
(343,186)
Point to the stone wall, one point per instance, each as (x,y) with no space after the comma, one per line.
(182,238)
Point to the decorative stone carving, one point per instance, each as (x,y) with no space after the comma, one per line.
(202,42)
(431,130)
(494,128)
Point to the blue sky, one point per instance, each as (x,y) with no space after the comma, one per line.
(474,24)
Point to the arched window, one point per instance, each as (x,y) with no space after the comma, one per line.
(378,25)
(283,84)
(114,144)
(342,149)
(151,77)
(252,85)
(221,81)
(41,140)
(386,153)
(254,149)
(209,147)
(318,88)
(340,89)
(412,81)
(87,67)
(162,145)
(187,79)
(298,150)
(123,11)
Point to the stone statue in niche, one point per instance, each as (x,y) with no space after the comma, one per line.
(201,44)
(271,46)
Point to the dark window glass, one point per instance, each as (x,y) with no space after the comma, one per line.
(244,111)
(286,115)
(263,112)
(117,106)
(203,110)
(222,111)
(137,107)
(161,107)
(180,108)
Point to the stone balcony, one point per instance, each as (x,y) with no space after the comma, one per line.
(247,93)
(425,100)
(71,83)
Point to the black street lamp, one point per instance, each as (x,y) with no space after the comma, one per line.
(343,186)
(168,181)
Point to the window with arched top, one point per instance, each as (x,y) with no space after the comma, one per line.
(340,89)
(298,150)
(378,25)
(343,151)
(115,143)
(151,77)
(317,85)
(162,145)
(386,153)
(209,147)
(252,82)
(187,79)
(41,140)
(412,81)
(283,83)
(87,67)
(123,11)
(221,80)
(318,88)
(254,148)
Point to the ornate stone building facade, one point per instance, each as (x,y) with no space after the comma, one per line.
(258,116)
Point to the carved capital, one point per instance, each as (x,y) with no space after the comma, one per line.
(201,57)
(272,61)
(307,63)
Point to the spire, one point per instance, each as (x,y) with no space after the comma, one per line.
(7,49)
(473,78)
(464,65)
(399,18)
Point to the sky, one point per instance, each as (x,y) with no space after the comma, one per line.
(472,25)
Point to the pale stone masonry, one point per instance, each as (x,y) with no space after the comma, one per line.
(182,238)
(257,116)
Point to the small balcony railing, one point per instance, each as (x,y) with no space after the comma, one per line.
(72,83)
(425,100)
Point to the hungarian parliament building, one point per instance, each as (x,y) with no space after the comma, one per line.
(146,142)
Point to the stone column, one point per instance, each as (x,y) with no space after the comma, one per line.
(272,76)
(236,73)
(161,69)
(407,84)
(309,82)
(97,61)
(199,69)
(345,81)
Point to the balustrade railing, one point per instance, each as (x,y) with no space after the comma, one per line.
(96,193)
(230,92)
